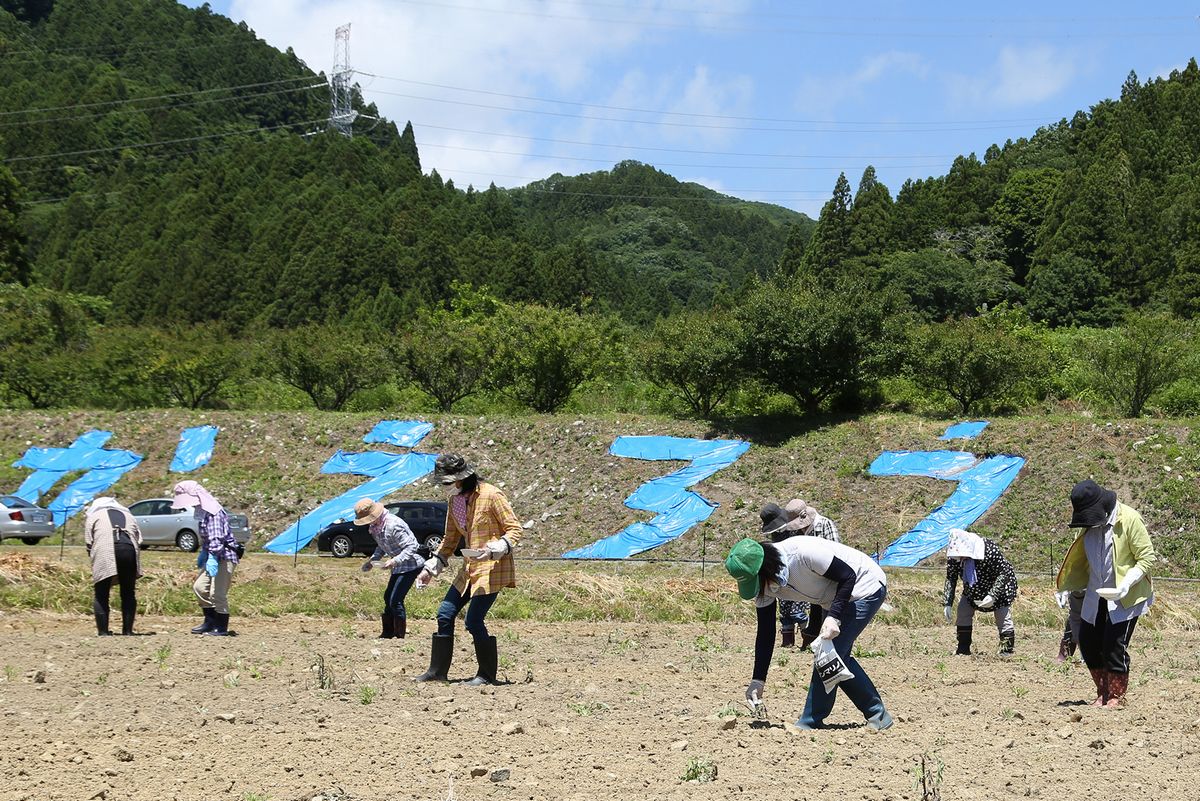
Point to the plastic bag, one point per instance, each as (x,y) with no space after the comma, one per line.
(829,667)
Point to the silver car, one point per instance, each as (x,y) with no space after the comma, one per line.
(162,525)
(20,519)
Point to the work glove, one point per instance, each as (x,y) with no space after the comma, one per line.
(754,692)
(211,566)
(948,611)
(497,548)
(1062,598)
(433,566)
(986,604)
(830,629)
(367,565)
(1134,575)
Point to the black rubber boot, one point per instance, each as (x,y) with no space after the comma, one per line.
(220,625)
(485,654)
(441,651)
(127,617)
(388,626)
(788,638)
(1008,642)
(102,624)
(207,625)
(401,627)
(964,641)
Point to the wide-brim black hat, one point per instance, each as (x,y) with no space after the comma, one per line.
(451,467)
(1091,504)
(773,518)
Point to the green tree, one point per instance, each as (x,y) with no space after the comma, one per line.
(870,218)
(445,355)
(329,363)
(542,355)
(1069,290)
(698,355)
(1019,213)
(818,344)
(408,145)
(1140,357)
(196,365)
(830,242)
(940,284)
(993,358)
(14,266)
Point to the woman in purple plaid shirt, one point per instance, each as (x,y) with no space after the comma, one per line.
(217,558)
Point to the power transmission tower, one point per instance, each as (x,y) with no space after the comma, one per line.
(341,114)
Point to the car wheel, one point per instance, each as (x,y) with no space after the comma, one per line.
(341,546)
(432,543)
(187,541)
(31,540)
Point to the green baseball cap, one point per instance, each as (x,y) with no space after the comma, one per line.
(743,564)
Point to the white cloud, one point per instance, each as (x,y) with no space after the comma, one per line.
(820,95)
(563,50)
(1020,76)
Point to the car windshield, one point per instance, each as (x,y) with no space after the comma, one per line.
(13,502)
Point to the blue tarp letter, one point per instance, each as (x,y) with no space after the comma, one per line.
(980,484)
(195,448)
(968,430)
(678,508)
(103,469)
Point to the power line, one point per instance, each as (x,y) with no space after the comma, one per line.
(748,167)
(155,97)
(667,123)
(169,106)
(134,145)
(425,125)
(664,112)
(982,32)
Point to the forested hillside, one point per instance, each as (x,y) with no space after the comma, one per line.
(170,209)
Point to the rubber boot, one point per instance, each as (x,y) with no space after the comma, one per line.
(127,617)
(1008,642)
(485,654)
(102,624)
(964,641)
(400,627)
(208,623)
(441,651)
(788,637)
(881,721)
(388,624)
(220,625)
(1118,685)
(1100,677)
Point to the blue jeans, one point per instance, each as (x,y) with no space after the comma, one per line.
(398,586)
(477,609)
(859,689)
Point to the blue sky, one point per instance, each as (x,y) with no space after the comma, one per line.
(763,100)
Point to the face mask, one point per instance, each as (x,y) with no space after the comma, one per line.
(451,490)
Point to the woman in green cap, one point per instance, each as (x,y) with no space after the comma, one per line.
(845,583)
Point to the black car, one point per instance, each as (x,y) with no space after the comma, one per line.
(427,519)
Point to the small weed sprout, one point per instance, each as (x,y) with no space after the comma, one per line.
(324,673)
(10,673)
(928,774)
(161,656)
(586,709)
(367,694)
(699,771)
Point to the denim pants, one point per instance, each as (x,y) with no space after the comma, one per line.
(477,609)
(398,586)
(859,689)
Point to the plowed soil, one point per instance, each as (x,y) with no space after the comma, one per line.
(593,711)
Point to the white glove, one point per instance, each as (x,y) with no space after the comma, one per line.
(987,603)
(423,579)
(1062,598)
(830,628)
(497,548)
(948,611)
(754,692)
(367,565)
(1134,575)
(433,566)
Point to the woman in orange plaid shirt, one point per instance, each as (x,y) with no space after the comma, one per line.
(481,518)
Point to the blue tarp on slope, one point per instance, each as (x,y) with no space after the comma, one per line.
(195,449)
(980,484)
(102,468)
(678,508)
(967,430)
(401,433)
(388,471)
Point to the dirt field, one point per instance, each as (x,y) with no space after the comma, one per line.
(594,711)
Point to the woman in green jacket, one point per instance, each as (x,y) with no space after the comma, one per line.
(1110,562)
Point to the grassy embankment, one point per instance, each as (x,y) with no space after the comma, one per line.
(562,482)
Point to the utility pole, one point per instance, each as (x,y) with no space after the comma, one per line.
(341,114)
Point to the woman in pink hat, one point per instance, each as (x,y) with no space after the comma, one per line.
(219,553)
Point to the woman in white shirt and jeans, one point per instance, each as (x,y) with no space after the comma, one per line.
(846,583)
